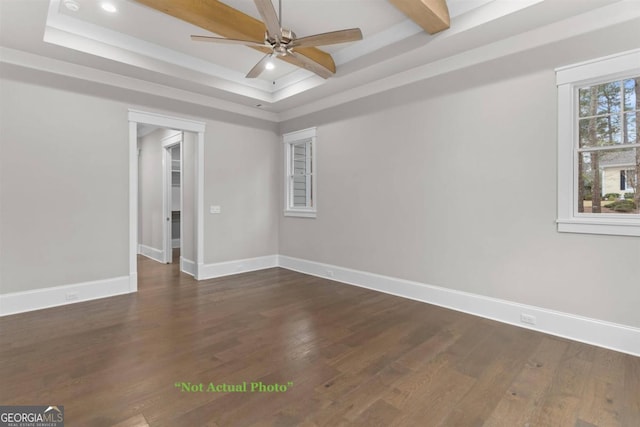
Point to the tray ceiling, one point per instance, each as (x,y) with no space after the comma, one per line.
(141,43)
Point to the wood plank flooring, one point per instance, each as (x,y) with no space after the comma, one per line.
(354,357)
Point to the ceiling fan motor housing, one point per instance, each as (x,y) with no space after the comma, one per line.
(280,43)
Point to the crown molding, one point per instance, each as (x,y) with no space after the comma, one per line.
(81,72)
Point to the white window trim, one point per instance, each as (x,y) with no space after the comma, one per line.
(289,139)
(568,79)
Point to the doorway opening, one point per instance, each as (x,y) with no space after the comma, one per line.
(166,191)
(160,192)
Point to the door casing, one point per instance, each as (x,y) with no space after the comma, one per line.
(162,120)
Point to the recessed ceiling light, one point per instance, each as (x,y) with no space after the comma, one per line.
(270,66)
(108,7)
(72,5)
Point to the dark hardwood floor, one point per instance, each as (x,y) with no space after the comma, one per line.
(354,357)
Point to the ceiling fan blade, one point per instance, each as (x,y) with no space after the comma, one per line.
(333,37)
(269,16)
(226,41)
(259,67)
(309,64)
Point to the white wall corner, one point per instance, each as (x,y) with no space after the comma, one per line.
(220,269)
(20,302)
(187,266)
(609,335)
(153,253)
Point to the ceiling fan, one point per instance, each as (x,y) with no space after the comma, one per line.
(283,42)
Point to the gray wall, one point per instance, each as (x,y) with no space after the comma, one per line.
(243,178)
(64,180)
(452,182)
(63,185)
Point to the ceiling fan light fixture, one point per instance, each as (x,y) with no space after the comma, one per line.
(270,65)
(280,50)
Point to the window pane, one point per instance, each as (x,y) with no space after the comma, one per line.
(600,99)
(631,128)
(300,180)
(299,187)
(600,131)
(299,158)
(631,97)
(603,174)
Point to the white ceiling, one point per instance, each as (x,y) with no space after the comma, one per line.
(142,49)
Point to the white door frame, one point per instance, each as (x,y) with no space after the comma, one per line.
(167,199)
(161,120)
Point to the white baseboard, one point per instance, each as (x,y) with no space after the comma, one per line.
(613,336)
(219,269)
(175,243)
(187,266)
(609,335)
(153,253)
(37,299)
(133,282)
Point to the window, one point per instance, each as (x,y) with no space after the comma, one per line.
(300,173)
(599,146)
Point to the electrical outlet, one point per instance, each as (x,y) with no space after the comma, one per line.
(528,319)
(71,296)
(329,273)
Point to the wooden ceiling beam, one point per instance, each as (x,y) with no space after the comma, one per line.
(431,15)
(224,20)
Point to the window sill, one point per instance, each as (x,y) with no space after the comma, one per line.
(609,226)
(300,214)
